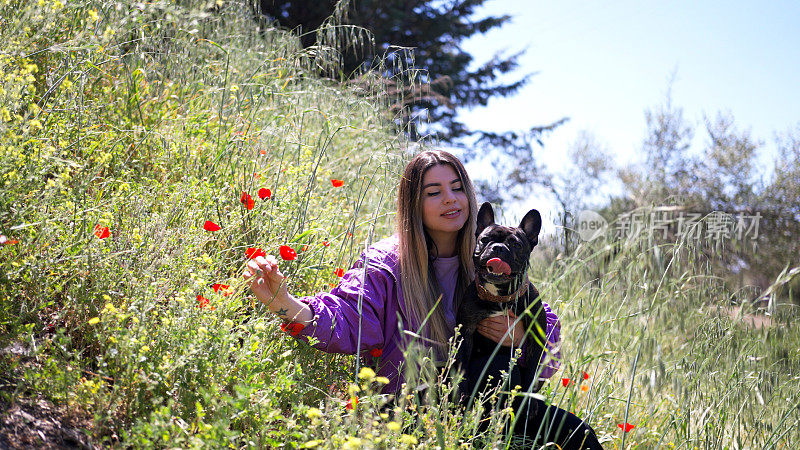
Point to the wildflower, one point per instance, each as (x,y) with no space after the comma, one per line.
(376,352)
(6,241)
(211,226)
(366,373)
(625,427)
(247,201)
(339,272)
(293,328)
(566,382)
(204,302)
(393,426)
(407,439)
(326,244)
(287,253)
(584,387)
(352,403)
(352,442)
(264,193)
(313,413)
(585,376)
(101,232)
(305,247)
(256,175)
(94,321)
(382,380)
(254,252)
(226,290)
(262,152)
(337,183)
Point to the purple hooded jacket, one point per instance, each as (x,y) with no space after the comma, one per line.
(336,319)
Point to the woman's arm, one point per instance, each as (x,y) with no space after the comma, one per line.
(337,320)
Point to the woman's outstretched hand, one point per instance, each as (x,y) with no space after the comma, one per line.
(266,279)
(267,283)
(496,327)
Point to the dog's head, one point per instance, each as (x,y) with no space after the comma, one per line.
(501,254)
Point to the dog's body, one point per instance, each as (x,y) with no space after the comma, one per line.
(501,283)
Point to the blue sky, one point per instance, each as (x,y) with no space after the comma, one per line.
(603,63)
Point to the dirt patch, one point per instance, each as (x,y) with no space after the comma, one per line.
(757,321)
(37,423)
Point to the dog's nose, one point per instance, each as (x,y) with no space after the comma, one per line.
(497,265)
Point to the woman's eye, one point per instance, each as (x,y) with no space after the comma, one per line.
(431,194)
(459,189)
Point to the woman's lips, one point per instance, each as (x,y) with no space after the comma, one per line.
(452,216)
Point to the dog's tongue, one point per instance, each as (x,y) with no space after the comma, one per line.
(497,265)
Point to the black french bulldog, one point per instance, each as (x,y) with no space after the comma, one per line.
(501,263)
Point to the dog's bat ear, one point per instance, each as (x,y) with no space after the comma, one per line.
(531,224)
(485,217)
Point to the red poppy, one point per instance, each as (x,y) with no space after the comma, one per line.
(264,193)
(337,183)
(211,226)
(263,152)
(585,376)
(339,272)
(254,252)
(326,244)
(566,382)
(625,427)
(204,302)
(376,352)
(287,253)
(226,290)
(292,328)
(247,201)
(352,403)
(101,232)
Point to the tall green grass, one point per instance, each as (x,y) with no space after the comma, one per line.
(647,320)
(152,118)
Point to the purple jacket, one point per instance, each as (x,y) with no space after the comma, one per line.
(336,318)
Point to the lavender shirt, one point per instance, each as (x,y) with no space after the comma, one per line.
(374,282)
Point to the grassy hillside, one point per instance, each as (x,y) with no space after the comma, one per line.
(126,126)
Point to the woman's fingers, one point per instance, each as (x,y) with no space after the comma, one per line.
(501,328)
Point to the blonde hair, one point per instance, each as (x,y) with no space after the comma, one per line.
(421,290)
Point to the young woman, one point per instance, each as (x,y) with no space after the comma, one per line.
(416,276)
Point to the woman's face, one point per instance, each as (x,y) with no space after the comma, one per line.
(445,207)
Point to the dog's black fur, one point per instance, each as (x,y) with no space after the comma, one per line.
(512,246)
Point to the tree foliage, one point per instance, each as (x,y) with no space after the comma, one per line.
(722,176)
(414,42)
